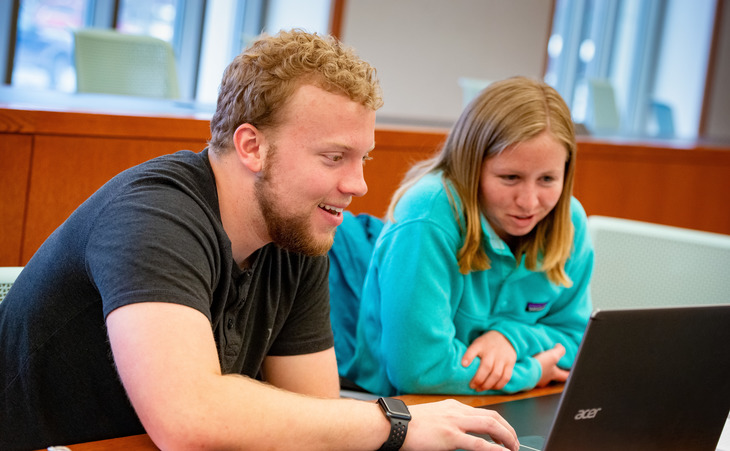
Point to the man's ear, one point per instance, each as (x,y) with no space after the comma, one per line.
(248,141)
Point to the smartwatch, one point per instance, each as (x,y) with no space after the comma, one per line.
(397,412)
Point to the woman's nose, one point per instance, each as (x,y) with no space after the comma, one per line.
(527,197)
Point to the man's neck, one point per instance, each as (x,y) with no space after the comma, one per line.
(240,213)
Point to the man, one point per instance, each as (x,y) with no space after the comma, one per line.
(188,297)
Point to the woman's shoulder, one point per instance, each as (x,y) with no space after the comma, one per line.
(577,212)
(425,209)
(427,198)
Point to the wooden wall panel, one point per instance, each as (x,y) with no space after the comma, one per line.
(53,160)
(682,187)
(65,123)
(67,170)
(15,155)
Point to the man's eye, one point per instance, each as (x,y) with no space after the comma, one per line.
(336,157)
(366,158)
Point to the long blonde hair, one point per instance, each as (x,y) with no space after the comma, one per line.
(507,112)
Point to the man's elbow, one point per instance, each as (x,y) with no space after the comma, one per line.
(191,435)
(184,428)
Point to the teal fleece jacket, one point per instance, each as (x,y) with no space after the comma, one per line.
(418,313)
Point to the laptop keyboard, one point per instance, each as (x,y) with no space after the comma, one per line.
(535,443)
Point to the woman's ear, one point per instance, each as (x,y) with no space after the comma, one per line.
(248,142)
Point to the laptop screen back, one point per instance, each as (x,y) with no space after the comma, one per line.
(651,379)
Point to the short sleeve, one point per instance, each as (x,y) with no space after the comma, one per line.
(306,329)
(154,243)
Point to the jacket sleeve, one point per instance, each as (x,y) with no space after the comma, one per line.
(420,284)
(416,274)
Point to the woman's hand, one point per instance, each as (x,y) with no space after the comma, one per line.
(549,362)
(497,357)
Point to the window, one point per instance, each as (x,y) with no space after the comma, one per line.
(214,32)
(44,43)
(149,17)
(653,54)
(244,21)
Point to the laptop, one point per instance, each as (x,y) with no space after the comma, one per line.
(643,379)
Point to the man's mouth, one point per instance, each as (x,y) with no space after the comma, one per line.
(331,210)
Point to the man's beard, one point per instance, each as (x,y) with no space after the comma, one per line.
(293,232)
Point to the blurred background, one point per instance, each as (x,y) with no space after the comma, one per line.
(628,68)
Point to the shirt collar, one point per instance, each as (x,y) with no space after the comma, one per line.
(492,239)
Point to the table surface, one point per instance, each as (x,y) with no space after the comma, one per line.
(484,400)
(144,443)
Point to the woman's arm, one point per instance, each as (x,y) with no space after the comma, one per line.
(412,292)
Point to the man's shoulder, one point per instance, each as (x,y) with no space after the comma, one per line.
(176,165)
(176,181)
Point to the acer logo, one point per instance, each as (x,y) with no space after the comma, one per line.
(587,414)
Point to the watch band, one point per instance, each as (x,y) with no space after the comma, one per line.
(397,412)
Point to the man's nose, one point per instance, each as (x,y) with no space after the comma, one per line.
(353,183)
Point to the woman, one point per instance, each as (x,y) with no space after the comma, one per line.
(478,281)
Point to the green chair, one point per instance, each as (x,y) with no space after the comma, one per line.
(603,117)
(8,274)
(115,63)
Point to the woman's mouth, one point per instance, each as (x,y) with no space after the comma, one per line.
(522,221)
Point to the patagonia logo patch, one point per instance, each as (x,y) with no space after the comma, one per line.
(535,306)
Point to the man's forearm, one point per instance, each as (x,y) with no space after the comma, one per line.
(245,414)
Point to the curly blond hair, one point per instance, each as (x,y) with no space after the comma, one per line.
(259,81)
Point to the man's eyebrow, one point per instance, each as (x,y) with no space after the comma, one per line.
(349,148)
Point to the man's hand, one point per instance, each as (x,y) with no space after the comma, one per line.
(446,424)
(549,363)
(498,359)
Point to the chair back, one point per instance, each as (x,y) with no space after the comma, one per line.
(8,274)
(116,63)
(640,264)
(662,114)
(602,117)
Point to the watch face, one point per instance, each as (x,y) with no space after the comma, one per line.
(396,407)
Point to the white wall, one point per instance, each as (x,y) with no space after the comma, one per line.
(421,48)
